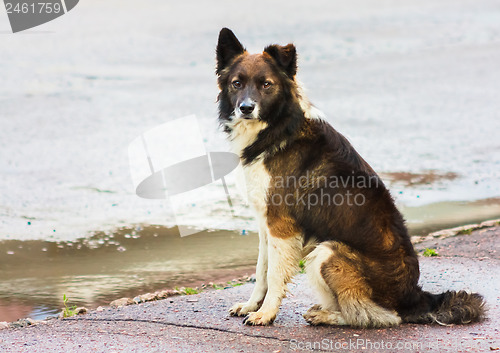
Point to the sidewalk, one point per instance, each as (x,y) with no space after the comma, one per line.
(200,323)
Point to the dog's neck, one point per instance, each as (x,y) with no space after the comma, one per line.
(310,111)
(243,133)
(255,139)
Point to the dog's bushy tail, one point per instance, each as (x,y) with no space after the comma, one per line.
(447,308)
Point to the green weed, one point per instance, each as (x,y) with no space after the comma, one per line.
(68,311)
(467,231)
(302,266)
(430,252)
(189,291)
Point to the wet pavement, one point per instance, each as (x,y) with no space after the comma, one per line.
(200,323)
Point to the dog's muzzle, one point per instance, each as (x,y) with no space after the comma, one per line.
(247,109)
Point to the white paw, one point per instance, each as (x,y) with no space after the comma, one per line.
(242,309)
(259,318)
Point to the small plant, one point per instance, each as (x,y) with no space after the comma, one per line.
(216,286)
(233,283)
(190,291)
(430,252)
(467,231)
(68,311)
(302,265)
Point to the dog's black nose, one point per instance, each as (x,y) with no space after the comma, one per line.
(247,108)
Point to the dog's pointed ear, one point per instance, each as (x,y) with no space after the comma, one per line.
(285,57)
(228,47)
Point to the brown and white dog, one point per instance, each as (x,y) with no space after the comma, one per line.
(315,197)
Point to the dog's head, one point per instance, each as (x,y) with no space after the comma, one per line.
(253,86)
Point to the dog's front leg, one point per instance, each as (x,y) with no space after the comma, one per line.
(283,261)
(260,289)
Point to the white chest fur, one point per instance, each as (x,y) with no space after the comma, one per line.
(244,132)
(253,180)
(256,183)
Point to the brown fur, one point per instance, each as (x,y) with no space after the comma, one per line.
(280,224)
(341,272)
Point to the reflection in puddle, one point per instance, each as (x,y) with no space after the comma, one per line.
(425,219)
(92,272)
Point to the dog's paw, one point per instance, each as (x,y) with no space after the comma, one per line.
(317,316)
(315,307)
(259,318)
(314,317)
(242,309)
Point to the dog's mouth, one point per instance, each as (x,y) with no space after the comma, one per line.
(250,116)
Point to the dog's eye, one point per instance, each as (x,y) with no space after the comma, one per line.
(237,84)
(267,84)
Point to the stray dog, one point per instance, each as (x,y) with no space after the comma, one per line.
(315,197)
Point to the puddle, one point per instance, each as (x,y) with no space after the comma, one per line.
(91,272)
(441,215)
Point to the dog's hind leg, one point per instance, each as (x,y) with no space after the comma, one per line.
(260,289)
(334,270)
(327,312)
(283,256)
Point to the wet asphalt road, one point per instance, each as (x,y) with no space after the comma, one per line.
(200,323)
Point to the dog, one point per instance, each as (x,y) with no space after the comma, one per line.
(315,198)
